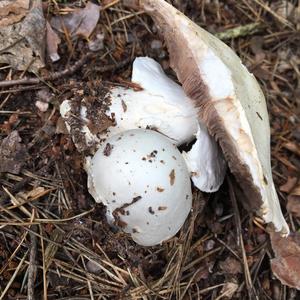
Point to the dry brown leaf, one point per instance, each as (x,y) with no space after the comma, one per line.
(12,154)
(22,44)
(293,205)
(12,11)
(80,22)
(61,126)
(286,265)
(53,41)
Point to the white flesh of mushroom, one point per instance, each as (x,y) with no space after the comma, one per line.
(144,182)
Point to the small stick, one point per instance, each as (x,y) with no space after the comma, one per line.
(64,73)
(51,77)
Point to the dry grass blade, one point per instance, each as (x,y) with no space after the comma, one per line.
(248,279)
(11,280)
(282,20)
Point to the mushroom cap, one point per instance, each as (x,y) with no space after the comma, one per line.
(144,182)
(230,102)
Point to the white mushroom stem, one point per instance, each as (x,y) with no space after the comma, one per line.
(204,158)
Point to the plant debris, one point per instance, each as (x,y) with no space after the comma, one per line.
(293,204)
(286,265)
(12,154)
(25,37)
(80,22)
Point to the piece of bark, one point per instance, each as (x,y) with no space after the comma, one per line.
(12,154)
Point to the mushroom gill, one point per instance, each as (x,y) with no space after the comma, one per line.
(229,101)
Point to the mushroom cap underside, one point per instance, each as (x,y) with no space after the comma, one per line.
(229,101)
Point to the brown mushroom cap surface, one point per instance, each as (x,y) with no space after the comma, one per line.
(230,103)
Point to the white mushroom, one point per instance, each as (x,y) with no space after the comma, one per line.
(161,105)
(144,182)
(230,101)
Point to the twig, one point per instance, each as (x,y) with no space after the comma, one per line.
(51,77)
(64,73)
(248,279)
(32,269)
(45,292)
(21,89)
(107,68)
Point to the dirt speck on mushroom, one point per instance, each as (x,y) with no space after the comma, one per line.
(108,149)
(151,211)
(172,177)
(162,207)
(124,106)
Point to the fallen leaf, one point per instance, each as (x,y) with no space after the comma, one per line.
(12,154)
(61,126)
(293,205)
(34,29)
(80,22)
(53,41)
(286,265)
(12,11)
(289,185)
(231,266)
(22,44)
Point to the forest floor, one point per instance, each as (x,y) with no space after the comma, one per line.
(55,242)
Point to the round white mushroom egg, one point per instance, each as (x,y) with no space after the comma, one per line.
(144,182)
